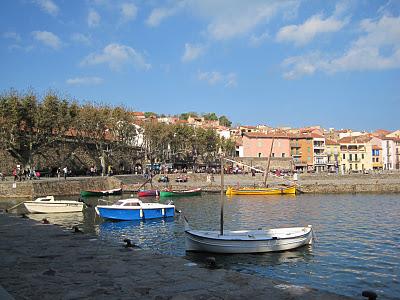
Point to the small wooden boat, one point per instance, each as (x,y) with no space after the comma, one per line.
(101,193)
(260,191)
(46,205)
(247,241)
(134,209)
(175,193)
(148,193)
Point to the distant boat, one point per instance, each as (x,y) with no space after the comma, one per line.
(175,193)
(148,193)
(48,204)
(101,193)
(134,209)
(260,191)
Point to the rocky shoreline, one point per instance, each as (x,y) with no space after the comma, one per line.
(47,262)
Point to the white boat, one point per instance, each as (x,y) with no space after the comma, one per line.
(245,241)
(134,209)
(46,205)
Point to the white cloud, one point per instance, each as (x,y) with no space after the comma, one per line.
(377,49)
(47,38)
(215,77)
(128,11)
(48,6)
(158,14)
(84,81)
(306,32)
(116,56)
(81,38)
(93,18)
(12,35)
(192,52)
(258,40)
(226,18)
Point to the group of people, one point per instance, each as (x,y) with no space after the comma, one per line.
(20,174)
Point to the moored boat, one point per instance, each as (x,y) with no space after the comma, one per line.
(134,209)
(89,193)
(261,191)
(148,193)
(176,193)
(248,241)
(48,204)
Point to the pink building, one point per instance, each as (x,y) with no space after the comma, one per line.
(257,144)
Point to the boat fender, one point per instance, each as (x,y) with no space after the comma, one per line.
(369,294)
(45,221)
(141,213)
(163,212)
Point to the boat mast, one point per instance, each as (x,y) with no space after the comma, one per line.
(222,197)
(269,160)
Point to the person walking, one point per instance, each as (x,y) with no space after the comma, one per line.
(65,170)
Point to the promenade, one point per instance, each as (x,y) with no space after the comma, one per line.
(47,262)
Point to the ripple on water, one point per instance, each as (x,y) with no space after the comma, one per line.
(357,247)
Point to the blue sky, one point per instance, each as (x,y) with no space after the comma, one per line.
(273,62)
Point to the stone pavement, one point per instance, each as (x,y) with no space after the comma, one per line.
(47,262)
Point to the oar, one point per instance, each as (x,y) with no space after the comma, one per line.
(15,206)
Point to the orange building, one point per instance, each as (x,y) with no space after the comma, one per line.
(301,150)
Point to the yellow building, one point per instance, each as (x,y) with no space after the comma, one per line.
(377,160)
(356,154)
(333,155)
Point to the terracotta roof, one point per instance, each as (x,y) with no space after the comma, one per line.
(331,142)
(316,135)
(395,139)
(355,139)
(265,136)
(138,114)
(381,132)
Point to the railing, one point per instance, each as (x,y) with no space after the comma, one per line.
(354,159)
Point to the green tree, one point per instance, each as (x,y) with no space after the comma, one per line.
(28,126)
(210,117)
(224,121)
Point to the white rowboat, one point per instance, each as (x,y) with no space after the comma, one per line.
(248,241)
(47,205)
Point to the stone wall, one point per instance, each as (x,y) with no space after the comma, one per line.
(71,186)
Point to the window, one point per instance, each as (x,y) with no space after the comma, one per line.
(283,154)
(273,154)
(355,156)
(362,156)
(356,166)
(377,159)
(350,157)
(259,154)
(308,158)
(308,149)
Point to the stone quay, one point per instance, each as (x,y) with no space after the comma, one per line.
(45,261)
(307,183)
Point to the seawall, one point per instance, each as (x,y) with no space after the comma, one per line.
(317,183)
(53,186)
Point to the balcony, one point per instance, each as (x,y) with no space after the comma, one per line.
(351,160)
(294,144)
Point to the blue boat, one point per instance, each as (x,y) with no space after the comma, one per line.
(134,209)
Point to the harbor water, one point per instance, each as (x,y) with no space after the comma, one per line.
(357,237)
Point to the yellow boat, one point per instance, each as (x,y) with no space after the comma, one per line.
(261,191)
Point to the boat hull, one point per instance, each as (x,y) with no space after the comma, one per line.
(101,193)
(134,213)
(148,193)
(53,207)
(261,191)
(198,241)
(196,192)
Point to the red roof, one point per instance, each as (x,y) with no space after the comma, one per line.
(355,139)
(265,136)
(331,142)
